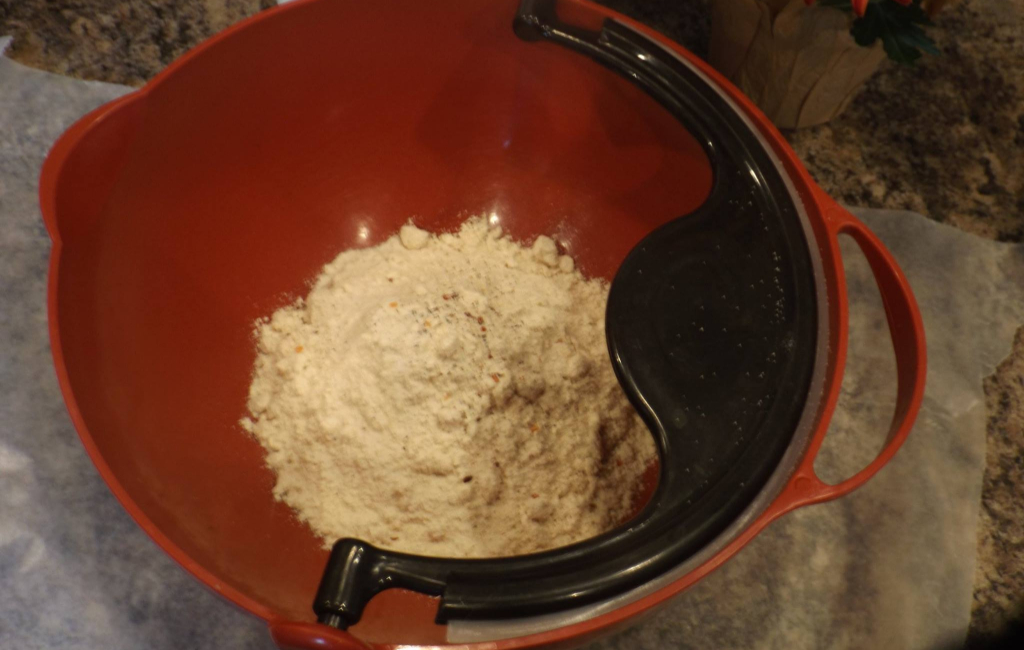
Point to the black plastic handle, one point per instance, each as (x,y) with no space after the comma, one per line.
(720,430)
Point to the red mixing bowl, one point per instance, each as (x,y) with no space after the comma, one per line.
(183,212)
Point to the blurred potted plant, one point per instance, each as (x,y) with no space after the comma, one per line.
(803,61)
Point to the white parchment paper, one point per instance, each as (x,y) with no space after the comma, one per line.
(890,566)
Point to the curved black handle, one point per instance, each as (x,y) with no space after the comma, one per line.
(747,216)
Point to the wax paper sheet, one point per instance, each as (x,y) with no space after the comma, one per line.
(889,566)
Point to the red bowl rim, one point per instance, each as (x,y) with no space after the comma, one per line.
(800,487)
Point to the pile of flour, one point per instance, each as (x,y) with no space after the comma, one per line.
(448,396)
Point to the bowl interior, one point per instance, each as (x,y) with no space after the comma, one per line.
(259,158)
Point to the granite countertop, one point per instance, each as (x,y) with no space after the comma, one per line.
(944,138)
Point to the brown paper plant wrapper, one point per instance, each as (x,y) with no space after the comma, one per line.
(799,64)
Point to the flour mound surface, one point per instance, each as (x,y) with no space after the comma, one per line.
(448,395)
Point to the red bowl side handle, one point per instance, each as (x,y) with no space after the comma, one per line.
(83,164)
(907,332)
(295,635)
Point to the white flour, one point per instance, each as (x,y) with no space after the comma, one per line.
(448,396)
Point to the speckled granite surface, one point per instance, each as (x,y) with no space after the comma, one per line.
(945,138)
(119,41)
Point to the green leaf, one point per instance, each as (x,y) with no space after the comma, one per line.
(864,32)
(898,26)
(917,36)
(899,51)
